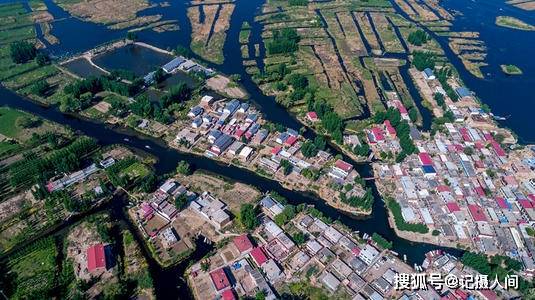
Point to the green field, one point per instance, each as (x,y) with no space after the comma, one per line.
(8,119)
(35,270)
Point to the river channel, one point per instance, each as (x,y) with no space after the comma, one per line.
(68,29)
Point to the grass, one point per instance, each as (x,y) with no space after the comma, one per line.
(8,119)
(34,269)
(136,170)
(514,23)
(511,69)
(8,148)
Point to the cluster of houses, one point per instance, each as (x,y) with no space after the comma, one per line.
(157,215)
(466,186)
(470,283)
(332,258)
(230,129)
(226,126)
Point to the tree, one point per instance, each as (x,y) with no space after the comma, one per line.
(235,77)
(159,75)
(27,122)
(22,51)
(320,142)
(42,59)
(287,167)
(309,149)
(439,98)
(248,217)
(131,36)
(284,41)
(181,201)
(413,114)
(183,168)
(298,81)
(40,88)
(149,183)
(300,238)
(298,2)
(422,60)
(183,51)
(418,37)
(177,94)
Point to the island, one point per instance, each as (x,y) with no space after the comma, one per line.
(512,22)
(511,69)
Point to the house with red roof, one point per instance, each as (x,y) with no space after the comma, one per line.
(402,110)
(312,116)
(497,148)
(342,166)
(390,129)
(477,213)
(502,203)
(258,256)
(243,243)
(219,279)
(228,295)
(276,150)
(290,141)
(465,134)
(453,207)
(425,159)
(96,258)
(378,135)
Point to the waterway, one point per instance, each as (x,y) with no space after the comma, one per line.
(68,29)
(506,95)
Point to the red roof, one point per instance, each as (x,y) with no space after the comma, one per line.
(356,251)
(488,137)
(96,258)
(276,150)
(400,107)
(258,256)
(391,130)
(488,294)
(290,141)
(220,279)
(461,294)
(243,243)
(312,115)
(425,158)
(378,133)
(497,148)
(525,203)
(228,295)
(502,203)
(443,188)
(477,212)
(452,206)
(342,165)
(480,191)
(465,135)
(531,197)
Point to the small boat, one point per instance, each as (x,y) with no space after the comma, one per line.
(147,146)
(499,118)
(126,140)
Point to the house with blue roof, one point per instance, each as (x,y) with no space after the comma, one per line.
(463,92)
(428,74)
